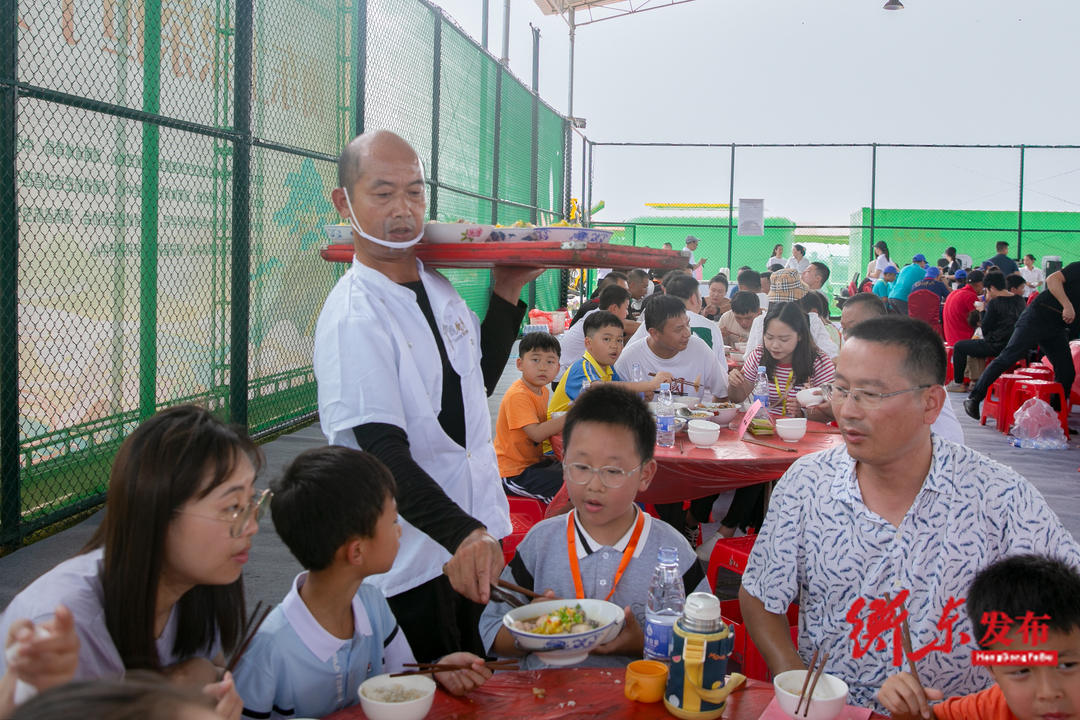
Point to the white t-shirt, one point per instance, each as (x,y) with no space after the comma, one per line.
(697,363)
(776,263)
(76,584)
(799,265)
(1035,276)
(706,329)
(881,263)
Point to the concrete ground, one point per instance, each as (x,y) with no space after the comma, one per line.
(271,570)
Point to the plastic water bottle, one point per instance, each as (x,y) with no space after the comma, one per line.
(761,390)
(665,417)
(638,375)
(666,599)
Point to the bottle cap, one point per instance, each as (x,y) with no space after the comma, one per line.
(761,368)
(664,386)
(702,607)
(668,555)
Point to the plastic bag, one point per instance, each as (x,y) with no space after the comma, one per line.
(1036,425)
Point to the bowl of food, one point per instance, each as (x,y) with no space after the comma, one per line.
(703,433)
(687,402)
(724,411)
(397,698)
(827,702)
(462,231)
(562,632)
(791,429)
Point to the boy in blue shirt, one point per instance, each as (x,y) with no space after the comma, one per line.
(609,439)
(335,510)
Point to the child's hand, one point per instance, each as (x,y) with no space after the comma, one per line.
(459,682)
(661,377)
(905,699)
(629,641)
(229,705)
(45,656)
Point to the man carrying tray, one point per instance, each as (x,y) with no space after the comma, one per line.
(403,370)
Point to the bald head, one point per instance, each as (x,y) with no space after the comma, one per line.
(380,145)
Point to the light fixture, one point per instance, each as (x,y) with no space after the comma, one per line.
(893,5)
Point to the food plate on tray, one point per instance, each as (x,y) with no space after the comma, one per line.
(563,233)
(457,232)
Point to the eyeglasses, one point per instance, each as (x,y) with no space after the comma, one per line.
(865,399)
(610,475)
(240,517)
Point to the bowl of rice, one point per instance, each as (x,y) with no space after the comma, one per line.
(568,643)
(397,698)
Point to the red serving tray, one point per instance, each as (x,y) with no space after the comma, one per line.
(532,254)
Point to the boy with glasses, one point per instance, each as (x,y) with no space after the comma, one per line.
(894,510)
(606,547)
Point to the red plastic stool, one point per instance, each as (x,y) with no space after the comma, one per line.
(948,365)
(524,513)
(1044,390)
(998,403)
(1038,372)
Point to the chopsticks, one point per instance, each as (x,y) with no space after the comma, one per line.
(774,446)
(499,596)
(682,381)
(248,634)
(905,632)
(518,589)
(817,676)
(429,668)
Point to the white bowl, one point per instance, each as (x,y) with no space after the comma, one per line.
(740,346)
(725,415)
(791,429)
(810,397)
(690,402)
(828,701)
(703,433)
(569,648)
(408,710)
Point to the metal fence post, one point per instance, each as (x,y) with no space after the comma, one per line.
(10,491)
(240,290)
(436,99)
(148,247)
(731,212)
(496,144)
(873,195)
(361,64)
(1020,212)
(535,147)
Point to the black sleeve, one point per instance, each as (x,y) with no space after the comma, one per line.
(420,499)
(497,335)
(992,318)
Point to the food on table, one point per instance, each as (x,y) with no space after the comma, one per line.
(393,693)
(564,620)
(761,426)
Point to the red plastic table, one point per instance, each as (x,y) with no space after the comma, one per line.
(593,692)
(685,472)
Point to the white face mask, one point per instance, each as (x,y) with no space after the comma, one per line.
(385,243)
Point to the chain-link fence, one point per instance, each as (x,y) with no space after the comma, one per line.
(838,200)
(166,170)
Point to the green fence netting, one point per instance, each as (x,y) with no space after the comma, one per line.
(165,180)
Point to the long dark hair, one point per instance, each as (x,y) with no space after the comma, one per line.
(179,454)
(802,359)
(884,248)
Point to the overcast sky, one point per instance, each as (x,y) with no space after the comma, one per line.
(779,71)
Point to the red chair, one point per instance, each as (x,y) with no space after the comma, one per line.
(999,403)
(1044,390)
(524,513)
(1038,372)
(926,305)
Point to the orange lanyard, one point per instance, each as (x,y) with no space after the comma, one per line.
(571,549)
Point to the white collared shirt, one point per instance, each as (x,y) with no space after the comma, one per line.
(376,361)
(822,547)
(294,667)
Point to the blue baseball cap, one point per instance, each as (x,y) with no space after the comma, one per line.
(932,272)
(889,270)
(960,274)
(919,258)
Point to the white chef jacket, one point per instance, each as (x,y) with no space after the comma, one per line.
(376,361)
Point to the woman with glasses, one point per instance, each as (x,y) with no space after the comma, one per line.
(791,360)
(159,585)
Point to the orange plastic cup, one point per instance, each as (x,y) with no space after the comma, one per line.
(645,681)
